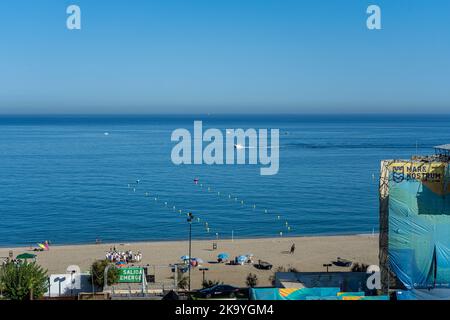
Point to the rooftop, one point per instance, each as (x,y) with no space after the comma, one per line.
(443,147)
(443,150)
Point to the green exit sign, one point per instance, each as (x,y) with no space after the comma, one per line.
(130,275)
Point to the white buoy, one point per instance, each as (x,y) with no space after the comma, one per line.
(106,133)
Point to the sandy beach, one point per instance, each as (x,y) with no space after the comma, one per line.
(310,255)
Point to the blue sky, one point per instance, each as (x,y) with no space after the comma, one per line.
(217,56)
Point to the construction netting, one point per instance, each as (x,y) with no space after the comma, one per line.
(415,222)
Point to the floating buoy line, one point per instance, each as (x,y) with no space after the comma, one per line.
(170,205)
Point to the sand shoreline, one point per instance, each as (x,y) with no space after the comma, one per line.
(128,242)
(310,255)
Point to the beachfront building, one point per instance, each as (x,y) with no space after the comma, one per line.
(415,225)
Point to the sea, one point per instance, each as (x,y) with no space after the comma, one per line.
(96,178)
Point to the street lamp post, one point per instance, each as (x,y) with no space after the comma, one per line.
(203,269)
(189,220)
(327,265)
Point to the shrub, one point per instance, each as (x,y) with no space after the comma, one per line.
(359,267)
(210,283)
(23,281)
(98,273)
(252,280)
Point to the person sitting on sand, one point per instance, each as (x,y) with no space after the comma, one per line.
(292,248)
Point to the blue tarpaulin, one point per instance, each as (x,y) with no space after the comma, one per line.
(419,224)
(424,294)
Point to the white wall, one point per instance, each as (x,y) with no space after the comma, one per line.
(67,284)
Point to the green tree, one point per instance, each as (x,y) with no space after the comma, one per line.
(210,283)
(183,282)
(359,267)
(23,281)
(98,273)
(252,280)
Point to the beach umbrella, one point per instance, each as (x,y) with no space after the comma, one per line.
(223,256)
(241,258)
(184,257)
(25,256)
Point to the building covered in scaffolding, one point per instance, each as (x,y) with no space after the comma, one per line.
(415,224)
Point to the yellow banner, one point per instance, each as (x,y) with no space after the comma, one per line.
(431,174)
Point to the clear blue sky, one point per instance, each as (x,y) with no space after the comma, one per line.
(216,56)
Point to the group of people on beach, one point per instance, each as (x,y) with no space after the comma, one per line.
(123,256)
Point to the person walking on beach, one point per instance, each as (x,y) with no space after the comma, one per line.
(292,248)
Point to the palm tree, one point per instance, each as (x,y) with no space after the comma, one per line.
(23,281)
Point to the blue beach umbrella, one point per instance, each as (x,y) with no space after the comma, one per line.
(241,258)
(184,257)
(223,256)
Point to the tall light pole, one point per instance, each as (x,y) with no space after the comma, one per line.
(327,265)
(189,220)
(203,269)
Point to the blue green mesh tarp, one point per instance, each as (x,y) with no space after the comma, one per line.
(424,294)
(418,239)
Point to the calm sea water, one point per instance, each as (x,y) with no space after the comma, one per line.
(64,180)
